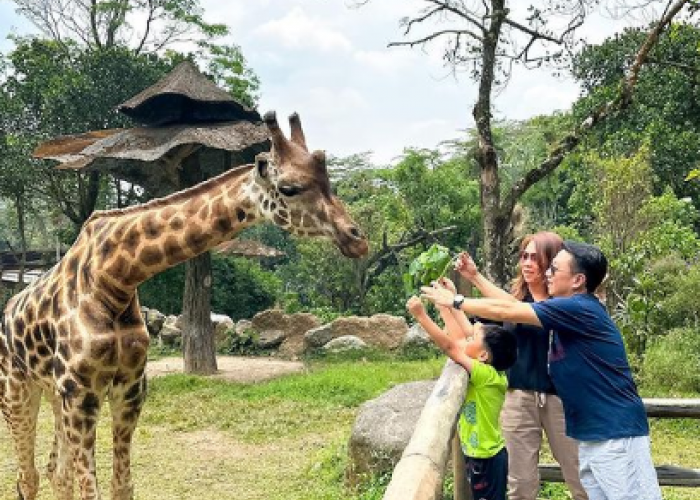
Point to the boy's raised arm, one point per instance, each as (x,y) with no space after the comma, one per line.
(454,348)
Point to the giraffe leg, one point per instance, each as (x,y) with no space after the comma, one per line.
(20,407)
(60,467)
(80,410)
(126,401)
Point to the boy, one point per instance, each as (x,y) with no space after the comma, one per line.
(485,351)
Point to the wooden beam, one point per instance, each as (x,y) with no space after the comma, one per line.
(669,475)
(420,472)
(672,408)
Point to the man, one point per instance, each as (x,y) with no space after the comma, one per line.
(590,371)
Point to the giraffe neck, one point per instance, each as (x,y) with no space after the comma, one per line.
(137,243)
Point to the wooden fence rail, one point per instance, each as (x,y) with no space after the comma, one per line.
(420,472)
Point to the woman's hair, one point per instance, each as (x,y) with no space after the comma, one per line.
(547,245)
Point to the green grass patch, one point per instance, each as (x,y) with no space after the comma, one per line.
(207,439)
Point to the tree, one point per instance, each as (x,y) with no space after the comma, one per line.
(59,89)
(488,38)
(666,113)
(144,28)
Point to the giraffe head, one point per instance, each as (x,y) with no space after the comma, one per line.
(295,191)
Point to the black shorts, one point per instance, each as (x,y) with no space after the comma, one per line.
(488,477)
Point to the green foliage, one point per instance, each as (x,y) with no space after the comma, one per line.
(240,288)
(245,344)
(429,266)
(654,276)
(666,106)
(624,188)
(672,362)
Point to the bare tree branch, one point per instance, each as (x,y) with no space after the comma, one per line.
(433,36)
(380,261)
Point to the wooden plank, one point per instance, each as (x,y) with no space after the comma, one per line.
(672,408)
(419,473)
(669,475)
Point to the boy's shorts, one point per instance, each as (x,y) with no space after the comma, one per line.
(488,477)
(618,469)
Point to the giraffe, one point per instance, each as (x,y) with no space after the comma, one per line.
(77,334)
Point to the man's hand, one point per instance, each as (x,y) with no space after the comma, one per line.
(438,295)
(466,267)
(415,307)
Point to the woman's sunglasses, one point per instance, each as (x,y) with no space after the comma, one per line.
(525,256)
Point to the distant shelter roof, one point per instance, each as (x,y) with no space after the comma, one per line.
(148,156)
(185,95)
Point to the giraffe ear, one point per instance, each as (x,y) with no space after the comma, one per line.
(262,165)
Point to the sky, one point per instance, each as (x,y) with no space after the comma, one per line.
(328,60)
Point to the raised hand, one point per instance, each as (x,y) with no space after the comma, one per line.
(466,267)
(447,284)
(415,306)
(438,295)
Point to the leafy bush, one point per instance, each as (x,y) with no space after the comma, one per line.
(240,288)
(673,362)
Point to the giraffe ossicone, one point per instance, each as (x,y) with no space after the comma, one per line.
(77,336)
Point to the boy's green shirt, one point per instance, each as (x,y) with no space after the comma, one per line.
(479,429)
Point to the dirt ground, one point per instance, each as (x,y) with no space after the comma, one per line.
(234,368)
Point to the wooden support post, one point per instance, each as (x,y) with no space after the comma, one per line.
(462,490)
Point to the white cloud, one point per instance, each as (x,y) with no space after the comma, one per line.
(386,61)
(300,31)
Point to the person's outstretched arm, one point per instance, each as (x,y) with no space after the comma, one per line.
(495,309)
(454,348)
(456,322)
(465,266)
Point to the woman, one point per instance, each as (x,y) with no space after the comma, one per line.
(531,403)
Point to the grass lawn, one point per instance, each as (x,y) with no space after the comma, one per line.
(286,439)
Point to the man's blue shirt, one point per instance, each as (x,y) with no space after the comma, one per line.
(589,368)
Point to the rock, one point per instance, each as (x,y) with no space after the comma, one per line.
(154,320)
(345,343)
(316,338)
(382,331)
(417,338)
(242,326)
(269,339)
(294,327)
(383,428)
(222,324)
(170,336)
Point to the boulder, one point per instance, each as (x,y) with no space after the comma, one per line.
(154,320)
(417,338)
(384,427)
(221,324)
(171,334)
(294,327)
(269,339)
(346,343)
(242,326)
(316,338)
(382,331)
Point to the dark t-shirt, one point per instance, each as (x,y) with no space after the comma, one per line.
(529,373)
(589,368)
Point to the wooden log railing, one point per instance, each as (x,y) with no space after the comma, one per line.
(420,472)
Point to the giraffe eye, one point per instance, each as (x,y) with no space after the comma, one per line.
(288,190)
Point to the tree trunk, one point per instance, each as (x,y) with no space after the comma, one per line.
(496,224)
(19,205)
(198,336)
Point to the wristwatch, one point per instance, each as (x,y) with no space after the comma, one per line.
(458,301)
